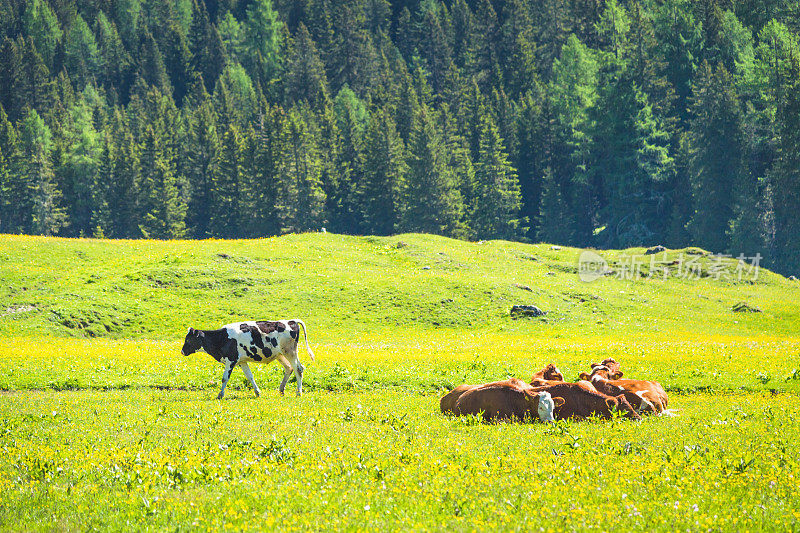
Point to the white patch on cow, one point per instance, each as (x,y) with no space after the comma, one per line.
(546,407)
(645,405)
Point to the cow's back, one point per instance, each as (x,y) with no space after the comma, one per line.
(448,402)
(495,401)
(581,400)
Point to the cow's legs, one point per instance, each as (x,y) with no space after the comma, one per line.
(298,368)
(287,371)
(226,375)
(249,375)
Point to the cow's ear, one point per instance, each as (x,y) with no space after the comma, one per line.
(584,376)
(190,331)
(558,401)
(618,375)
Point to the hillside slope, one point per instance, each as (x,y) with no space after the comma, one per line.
(156,289)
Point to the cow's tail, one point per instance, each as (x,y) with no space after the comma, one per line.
(305,336)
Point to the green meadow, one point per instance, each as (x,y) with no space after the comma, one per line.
(104,425)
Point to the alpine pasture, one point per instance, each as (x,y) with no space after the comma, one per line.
(104,425)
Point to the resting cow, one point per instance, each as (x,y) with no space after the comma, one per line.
(644,396)
(507,401)
(260,341)
(549,375)
(448,402)
(581,400)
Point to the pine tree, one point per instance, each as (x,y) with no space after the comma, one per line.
(115,61)
(261,43)
(124,190)
(432,201)
(785,175)
(715,129)
(305,72)
(226,213)
(177,58)
(9,176)
(384,176)
(161,210)
(301,170)
(202,155)
(80,166)
(41,25)
(102,216)
(81,55)
(497,192)
(531,155)
(554,220)
(40,197)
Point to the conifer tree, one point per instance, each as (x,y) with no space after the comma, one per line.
(306,79)
(432,200)
(301,169)
(161,209)
(495,213)
(384,176)
(715,129)
(40,198)
(226,213)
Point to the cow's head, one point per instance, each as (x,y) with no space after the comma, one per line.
(603,371)
(548,373)
(552,373)
(546,405)
(621,404)
(192,342)
(612,365)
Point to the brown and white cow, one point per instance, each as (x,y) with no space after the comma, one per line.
(496,401)
(645,396)
(260,341)
(581,400)
(549,375)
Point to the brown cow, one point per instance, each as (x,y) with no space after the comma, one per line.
(581,400)
(549,375)
(448,402)
(507,401)
(645,396)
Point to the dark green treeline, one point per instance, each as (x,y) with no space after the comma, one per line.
(605,123)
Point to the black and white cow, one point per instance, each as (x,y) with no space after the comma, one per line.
(261,341)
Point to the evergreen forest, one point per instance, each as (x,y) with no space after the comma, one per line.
(591,123)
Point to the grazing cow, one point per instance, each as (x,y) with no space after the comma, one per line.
(260,341)
(507,401)
(644,396)
(448,401)
(581,400)
(549,375)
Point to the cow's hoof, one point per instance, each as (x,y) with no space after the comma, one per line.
(219,396)
(258,393)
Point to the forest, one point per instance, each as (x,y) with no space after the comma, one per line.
(592,123)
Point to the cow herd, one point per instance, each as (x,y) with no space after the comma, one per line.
(548,397)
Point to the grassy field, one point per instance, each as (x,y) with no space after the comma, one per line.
(105,425)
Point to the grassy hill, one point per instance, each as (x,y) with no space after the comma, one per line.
(155,289)
(106,426)
(410,312)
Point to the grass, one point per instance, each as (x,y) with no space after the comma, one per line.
(106,426)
